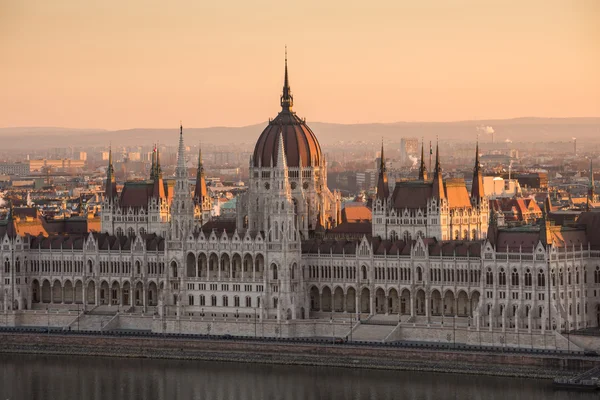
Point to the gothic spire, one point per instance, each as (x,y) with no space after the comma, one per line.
(545,225)
(438,183)
(422,167)
(158,170)
(477,191)
(382,159)
(590,197)
(383,189)
(287,100)
(181,150)
(158,190)
(110,190)
(153,166)
(200,191)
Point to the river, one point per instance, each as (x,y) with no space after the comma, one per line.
(30,377)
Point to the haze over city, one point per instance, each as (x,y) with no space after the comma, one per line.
(144,64)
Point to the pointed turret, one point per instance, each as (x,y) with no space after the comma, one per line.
(545,225)
(383,190)
(287,100)
(281,162)
(110,190)
(591,193)
(158,190)
(11,227)
(153,166)
(181,176)
(477,191)
(438,182)
(200,191)
(157,168)
(181,151)
(422,167)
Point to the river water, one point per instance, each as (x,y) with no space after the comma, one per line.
(30,377)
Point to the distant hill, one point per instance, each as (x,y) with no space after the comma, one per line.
(516,130)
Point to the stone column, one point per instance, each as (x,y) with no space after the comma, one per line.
(332,301)
(144,297)
(428,307)
(84,295)
(321,300)
(412,305)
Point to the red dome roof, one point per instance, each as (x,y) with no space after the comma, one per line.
(301,144)
(299,141)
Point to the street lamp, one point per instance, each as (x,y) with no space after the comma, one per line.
(332,331)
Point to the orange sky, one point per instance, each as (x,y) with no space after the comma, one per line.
(147,63)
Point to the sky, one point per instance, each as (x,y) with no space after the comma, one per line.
(117,64)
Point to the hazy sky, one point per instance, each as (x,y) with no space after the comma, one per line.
(145,63)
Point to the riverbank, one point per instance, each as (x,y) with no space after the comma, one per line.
(348,356)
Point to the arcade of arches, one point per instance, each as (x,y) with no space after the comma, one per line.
(392,301)
(121,294)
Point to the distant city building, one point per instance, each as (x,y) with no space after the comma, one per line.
(19,168)
(83,156)
(408,147)
(495,186)
(134,156)
(366,180)
(62,164)
(533,180)
(229,171)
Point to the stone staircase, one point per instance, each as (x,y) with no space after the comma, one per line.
(91,322)
(372,332)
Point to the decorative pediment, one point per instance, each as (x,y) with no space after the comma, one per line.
(364,247)
(419,249)
(138,245)
(224,238)
(90,242)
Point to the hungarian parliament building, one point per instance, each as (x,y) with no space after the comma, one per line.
(432,256)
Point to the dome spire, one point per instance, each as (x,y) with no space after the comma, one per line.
(287,100)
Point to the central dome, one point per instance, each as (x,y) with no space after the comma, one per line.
(301,144)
